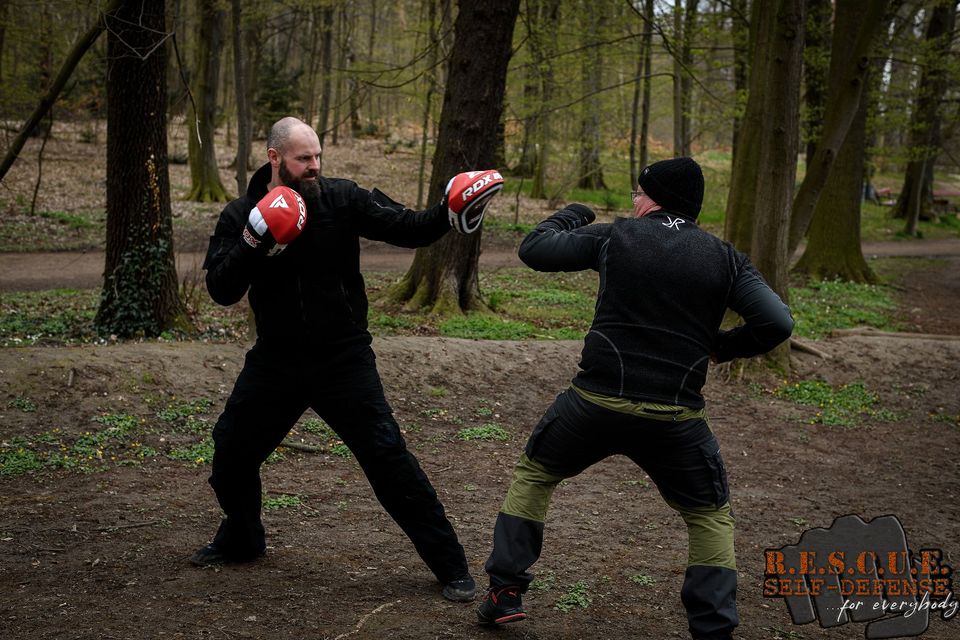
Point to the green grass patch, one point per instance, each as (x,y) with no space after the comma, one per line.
(821,306)
(199,453)
(341,451)
(56,316)
(485,327)
(18,460)
(282,501)
(845,405)
(71,220)
(184,409)
(22,403)
(578,596)
(488,432)
(642,580)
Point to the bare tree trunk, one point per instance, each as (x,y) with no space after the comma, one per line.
(326,45)
(140,294)
(634,118)
(590,169)
(544,45)
(764,169)
(833,243)
(854,35)
(443,276)
(916,195)
(741,66)
(66,70)
(204,171)
(686,79)
(431,79)
(243,107)
(816,65)
(647,61)
(677,74)
(310,100)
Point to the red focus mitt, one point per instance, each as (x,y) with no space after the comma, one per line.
(277,219)
(467,195)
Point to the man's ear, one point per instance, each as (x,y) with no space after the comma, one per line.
(274,157)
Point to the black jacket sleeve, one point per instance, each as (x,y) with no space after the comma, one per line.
(767,320)
(563,242)
(378,217)
(230,263)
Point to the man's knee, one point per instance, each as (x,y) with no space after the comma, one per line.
(710,533)
(531,489)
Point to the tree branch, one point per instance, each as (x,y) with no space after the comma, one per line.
(66,70)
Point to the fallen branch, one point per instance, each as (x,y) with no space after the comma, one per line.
(299,446)
(876,333)
(807,348)
(132,525)
(385,605)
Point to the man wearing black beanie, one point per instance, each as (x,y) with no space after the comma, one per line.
(665,285)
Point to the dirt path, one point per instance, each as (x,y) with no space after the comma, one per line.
(83,270)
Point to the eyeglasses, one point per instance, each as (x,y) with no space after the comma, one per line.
(635,195)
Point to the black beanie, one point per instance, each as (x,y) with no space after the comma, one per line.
(676,185)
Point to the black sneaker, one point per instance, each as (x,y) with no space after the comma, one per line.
(212,554)
(460,590)
(501,606)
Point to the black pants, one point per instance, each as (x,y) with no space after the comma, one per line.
(681,457)
(271,393)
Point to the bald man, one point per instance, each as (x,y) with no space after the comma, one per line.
(301,271)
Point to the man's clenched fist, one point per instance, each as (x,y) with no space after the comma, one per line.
(277,219)
(467,195)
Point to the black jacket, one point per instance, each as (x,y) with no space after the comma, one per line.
(312,295)
(665,285)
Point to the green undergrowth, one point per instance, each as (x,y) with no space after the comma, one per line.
(521,304)
(821,306)
(180,430)
(845,405)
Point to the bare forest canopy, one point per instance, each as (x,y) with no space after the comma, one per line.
(595,89)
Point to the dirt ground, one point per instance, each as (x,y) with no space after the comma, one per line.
(103,554)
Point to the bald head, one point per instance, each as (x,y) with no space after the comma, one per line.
(283,129)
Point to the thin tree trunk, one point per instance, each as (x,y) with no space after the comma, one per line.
(916,195)
(634,118)
(677,73)
(543,46)
(816,65)
(204,171)
(686,79)
(310,100)
(741,67)
(431,80)
(243,109)
(647,66)
(590,166)
(327,48)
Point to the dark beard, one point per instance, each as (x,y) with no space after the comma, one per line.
(310,190)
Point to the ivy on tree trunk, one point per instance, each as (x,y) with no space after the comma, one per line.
(140,294)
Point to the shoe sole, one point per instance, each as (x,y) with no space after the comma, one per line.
(459,596)
(513,617)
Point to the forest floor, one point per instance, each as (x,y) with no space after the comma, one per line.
(98,547)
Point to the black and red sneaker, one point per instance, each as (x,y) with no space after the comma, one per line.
(501,606)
